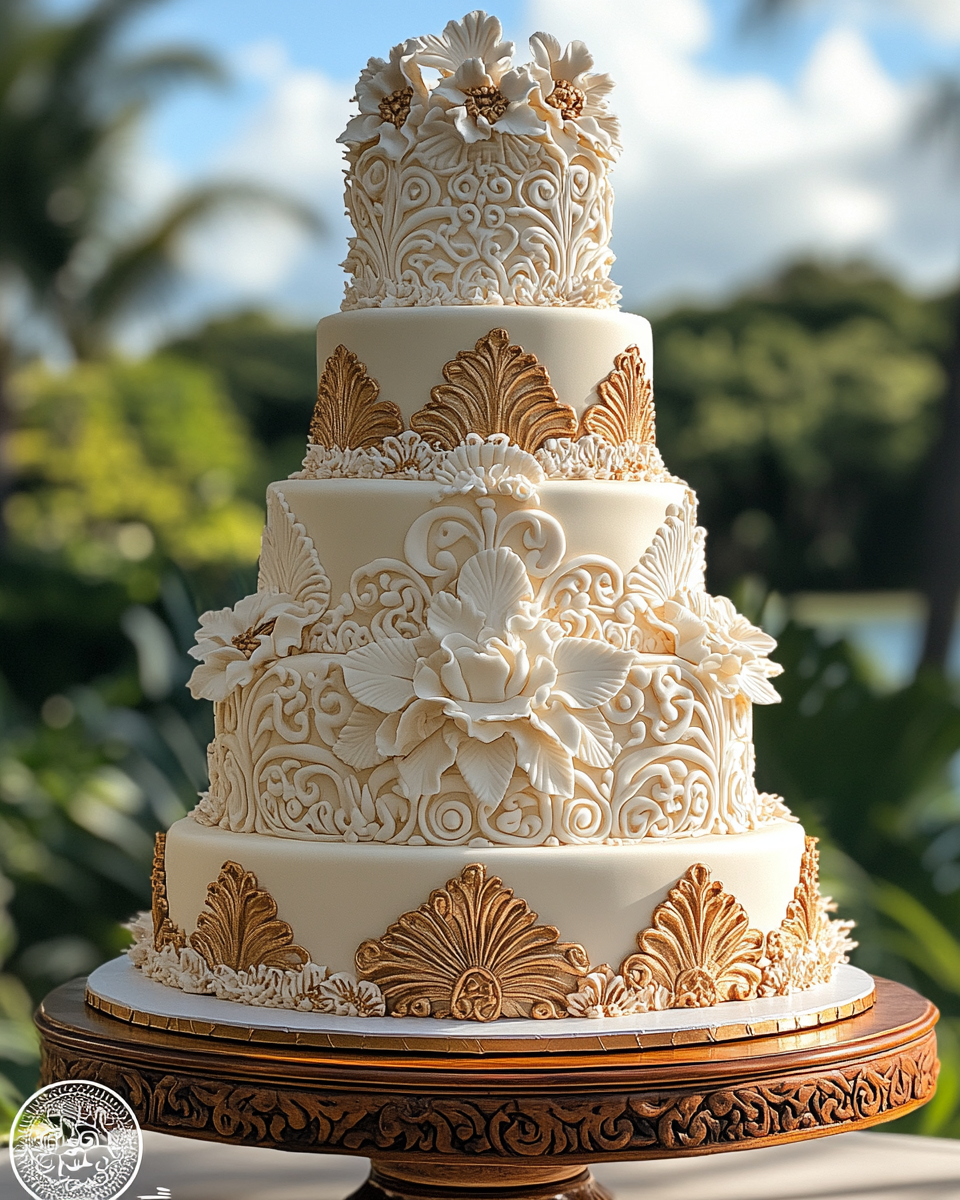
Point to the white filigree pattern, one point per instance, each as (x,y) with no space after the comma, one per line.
(484,689)
(410,456)
(310,988)
(488,187)
(288,558)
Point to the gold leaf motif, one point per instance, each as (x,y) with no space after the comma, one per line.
(495,388)
(474,952)
(165,932)
(241,929)
(347,413)
(808,945)
(804,911)
(625,412)
(699,946)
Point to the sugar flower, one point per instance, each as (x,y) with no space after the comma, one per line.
(478,90)
(392,99)
(491,686)
(571,99)
(232,643)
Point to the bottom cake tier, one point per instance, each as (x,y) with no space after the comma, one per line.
(487,932)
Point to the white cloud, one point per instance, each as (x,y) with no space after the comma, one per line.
(724,177)
(941,17)
(290,145)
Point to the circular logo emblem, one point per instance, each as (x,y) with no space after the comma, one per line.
(75,1140)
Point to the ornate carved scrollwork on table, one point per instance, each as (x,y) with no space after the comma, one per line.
(651,1122)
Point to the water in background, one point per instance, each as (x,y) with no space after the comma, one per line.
(885,627)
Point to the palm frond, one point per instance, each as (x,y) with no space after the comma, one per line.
(144,264)
(938,118)
(148,73)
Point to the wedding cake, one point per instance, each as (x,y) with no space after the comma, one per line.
(483,739)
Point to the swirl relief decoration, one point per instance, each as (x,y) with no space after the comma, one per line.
(484,689)
(471,181)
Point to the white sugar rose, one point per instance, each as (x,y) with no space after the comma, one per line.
(491,687)
(233,643)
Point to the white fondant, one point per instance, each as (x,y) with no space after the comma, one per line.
(335,895)
(357,521)
(405,349)
(119,982)
(485,686)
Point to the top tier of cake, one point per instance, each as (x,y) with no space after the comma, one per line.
(474,181)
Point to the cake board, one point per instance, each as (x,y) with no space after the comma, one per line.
(500,1124)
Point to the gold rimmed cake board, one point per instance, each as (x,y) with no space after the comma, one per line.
(499,1124)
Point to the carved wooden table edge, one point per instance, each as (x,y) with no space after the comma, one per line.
(522,1125)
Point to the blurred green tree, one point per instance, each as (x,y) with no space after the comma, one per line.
(269,369)
(875,775)
(803,413)
(939,532)
(69,102)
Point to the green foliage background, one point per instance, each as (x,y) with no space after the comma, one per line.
(803,413)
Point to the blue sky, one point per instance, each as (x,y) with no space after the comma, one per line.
(741,152)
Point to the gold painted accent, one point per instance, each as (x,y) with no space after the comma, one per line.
(483,1043)
(249,640)
(395,108)
(494,388)
(347,413)
(625,412)
(241,929)
(485,101)
(475,953)
(699,946)
(804,912)
(165,932)
(807,947)
(568,99)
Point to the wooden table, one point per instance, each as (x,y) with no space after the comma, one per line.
(505,1125)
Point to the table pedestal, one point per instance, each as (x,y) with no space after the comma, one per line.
(502,1125)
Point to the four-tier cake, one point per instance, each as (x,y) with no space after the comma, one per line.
(483,739)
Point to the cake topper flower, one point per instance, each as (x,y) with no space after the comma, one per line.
(392,98)
(479,91)
(571,99)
